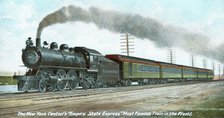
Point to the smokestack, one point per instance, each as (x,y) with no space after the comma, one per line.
(38,42)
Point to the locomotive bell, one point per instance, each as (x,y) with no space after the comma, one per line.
(64,47)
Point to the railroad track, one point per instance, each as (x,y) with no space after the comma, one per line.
(41,101)
(80,92)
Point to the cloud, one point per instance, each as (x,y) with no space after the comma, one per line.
(17,12)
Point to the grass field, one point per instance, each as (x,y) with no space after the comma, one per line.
(7,80)
(212,107)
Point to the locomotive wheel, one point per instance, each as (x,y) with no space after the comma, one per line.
(86,84)
(128,83)
(61,83)
(73,80)
(43,85)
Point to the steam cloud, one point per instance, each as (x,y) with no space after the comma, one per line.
(136,25)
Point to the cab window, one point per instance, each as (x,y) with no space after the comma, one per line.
(91,58)
(95,58)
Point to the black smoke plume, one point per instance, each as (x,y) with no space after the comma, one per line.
(136,25)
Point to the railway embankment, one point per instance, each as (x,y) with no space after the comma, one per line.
(168,100)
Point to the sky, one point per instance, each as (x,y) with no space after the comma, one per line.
(19,20)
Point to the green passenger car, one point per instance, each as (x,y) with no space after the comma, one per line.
(202,74)
(205,74)
(189,73)
(169,71)
(139,70)
(210,74)
(136,69)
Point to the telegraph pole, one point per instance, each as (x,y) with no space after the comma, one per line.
(213,66)
(204,63)
(223,72)
(192,60)
(171,55)
(127,44)
(219,72)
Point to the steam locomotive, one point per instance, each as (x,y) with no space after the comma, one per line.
(58,68)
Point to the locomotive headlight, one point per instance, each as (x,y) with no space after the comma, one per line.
(31,57)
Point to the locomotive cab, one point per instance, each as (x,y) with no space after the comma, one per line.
(101,70)
(91,56)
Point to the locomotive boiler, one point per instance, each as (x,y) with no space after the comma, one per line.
(34,57)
